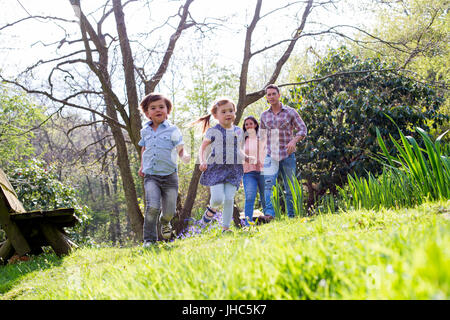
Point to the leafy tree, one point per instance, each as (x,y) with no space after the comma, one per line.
(415,35)
(38,188)
(17,117)
(85,77)
(81,154)
(209,81)
(343,112)
(418,31)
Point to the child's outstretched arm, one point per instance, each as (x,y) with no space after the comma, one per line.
(140,169)
(185,157)
(242,154)
(203,165)
(241,150)
(246,157)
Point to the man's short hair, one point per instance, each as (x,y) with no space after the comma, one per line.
(271,86)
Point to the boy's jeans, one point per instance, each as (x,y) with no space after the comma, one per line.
(160,192)
(253,181)
(271,170)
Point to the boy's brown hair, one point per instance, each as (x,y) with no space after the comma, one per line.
(154,96)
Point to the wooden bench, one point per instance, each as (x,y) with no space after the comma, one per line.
(28,232)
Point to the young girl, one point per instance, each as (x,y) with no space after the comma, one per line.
(253,176)
(222,171)
(159,140)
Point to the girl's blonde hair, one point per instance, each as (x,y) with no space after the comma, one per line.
(206,119)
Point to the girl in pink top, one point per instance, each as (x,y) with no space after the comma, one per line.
(253,169)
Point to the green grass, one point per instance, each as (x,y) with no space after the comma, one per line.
(387,254)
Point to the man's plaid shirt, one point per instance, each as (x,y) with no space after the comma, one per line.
(279,130)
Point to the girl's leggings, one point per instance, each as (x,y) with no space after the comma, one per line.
(223,194)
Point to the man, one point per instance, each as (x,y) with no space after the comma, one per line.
(279,123)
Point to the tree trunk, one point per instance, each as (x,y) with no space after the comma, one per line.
(108,206)
(115,211)
(134,212)
(236,218)
(130,83)
(244,98)
(184,14)
(247,99)
(100,68)
(190,199)
(311,194)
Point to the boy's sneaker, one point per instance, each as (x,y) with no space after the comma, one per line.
(166,231)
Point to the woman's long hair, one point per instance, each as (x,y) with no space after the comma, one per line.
(256,123)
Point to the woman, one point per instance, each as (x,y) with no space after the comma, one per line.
(253,176)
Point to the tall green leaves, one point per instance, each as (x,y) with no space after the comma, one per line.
(392,189)
(297,198)
(412,176)
(277,194)
(427,168)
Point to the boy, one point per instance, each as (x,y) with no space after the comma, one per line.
(161,141)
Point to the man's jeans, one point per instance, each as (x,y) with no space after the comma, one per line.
(271,170)
(252,181)
(160,193)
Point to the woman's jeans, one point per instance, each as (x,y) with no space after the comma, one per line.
(223,194)
(160,192)
(271,170)
(252,181)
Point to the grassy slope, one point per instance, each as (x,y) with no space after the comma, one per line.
(389,254)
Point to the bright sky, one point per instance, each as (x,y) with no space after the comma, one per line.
(26,43)
(228,43)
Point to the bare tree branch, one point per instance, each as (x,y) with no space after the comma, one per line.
(355,72)
(134,120)
(87,124)
(247,99)
(35,17)
(151,84)
(64,101)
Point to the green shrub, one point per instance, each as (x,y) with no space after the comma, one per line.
(342,114)
(39,189)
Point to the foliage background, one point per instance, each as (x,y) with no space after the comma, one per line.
(343,112)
